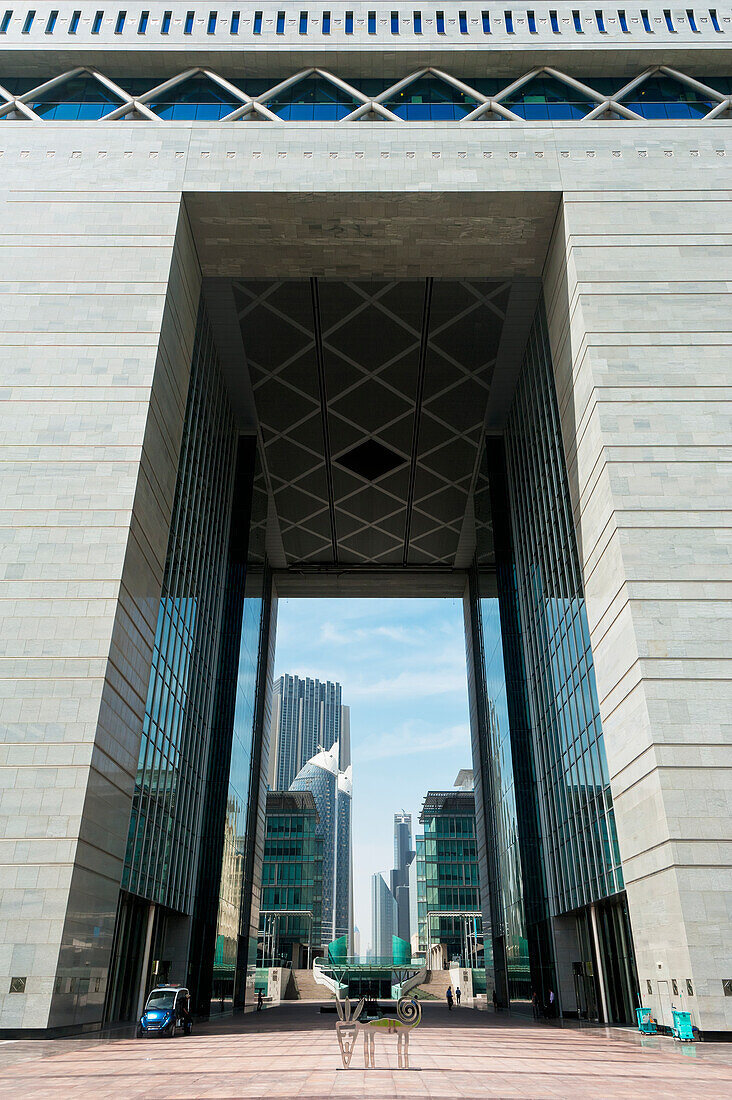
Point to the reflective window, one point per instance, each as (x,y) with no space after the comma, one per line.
(430,99)
(314,98)
(569,752)
(80,99)
(545,97)
(172,765)
(663,97)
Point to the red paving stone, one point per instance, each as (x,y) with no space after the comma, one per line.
(292,1052)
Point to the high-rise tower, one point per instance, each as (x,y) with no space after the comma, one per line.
(399,877)
(306,715)
(383,919)
(332,790)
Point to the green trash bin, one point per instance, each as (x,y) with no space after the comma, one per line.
(683,1030)
(646,1024)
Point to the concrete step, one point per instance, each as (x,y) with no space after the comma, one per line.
(306,988)
(437,983)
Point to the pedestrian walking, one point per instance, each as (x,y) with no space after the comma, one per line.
(457,995)
(551,1004)
(495,1001)
(535,1004)
(260,1000)
(448,998)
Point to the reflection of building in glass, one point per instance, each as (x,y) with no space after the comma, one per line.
(292,880)
(191,802)
(553,856)
(332,788)
(383,919)
(448,896)
(307,715)
(399,878)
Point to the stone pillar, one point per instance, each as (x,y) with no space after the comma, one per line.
(98,316)
(638,299)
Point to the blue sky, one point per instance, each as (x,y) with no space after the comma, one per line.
(402,667)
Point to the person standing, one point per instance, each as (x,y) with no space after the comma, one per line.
(448,998)
(535,1004)
(551,1004)
(457,995)
(495,1001)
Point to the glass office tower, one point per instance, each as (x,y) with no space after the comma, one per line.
(448,898)
(306,715)
(384,919)
(332,790)
(292,881)
(399,876)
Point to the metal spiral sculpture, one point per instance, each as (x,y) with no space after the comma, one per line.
(409,1011)
(350,1024)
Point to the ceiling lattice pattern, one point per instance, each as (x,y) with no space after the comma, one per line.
(473,104)
(371,398)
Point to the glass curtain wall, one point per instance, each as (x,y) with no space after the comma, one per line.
(449,884)
(224,950)
(580,841)
(165,823)
(235,831)
(292,880)
(553,822)
(520,934)
(162,849)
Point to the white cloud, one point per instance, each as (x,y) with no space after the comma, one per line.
(330,633)
(411,738)
(416,685)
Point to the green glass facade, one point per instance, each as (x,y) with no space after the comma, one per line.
(292,881)
(447,878)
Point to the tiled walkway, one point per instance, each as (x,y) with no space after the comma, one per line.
(292,1052)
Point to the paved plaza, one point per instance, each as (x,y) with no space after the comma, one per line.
(292,1051)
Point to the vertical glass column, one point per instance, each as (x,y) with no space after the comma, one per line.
(523,958)
(221,941)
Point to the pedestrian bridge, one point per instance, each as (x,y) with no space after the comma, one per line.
(379,977)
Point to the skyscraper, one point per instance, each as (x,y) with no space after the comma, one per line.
(383,918)
(399,877)
(292,881)
(332,790)
(306,715)
(448,901)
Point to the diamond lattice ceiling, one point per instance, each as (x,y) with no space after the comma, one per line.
(371,398)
